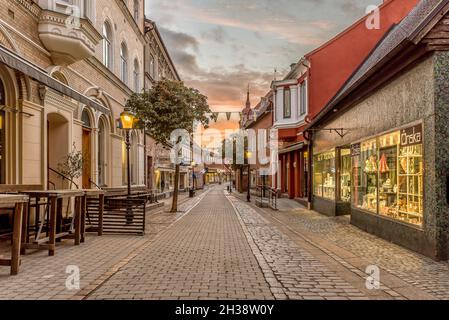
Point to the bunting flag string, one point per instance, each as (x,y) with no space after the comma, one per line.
(228,114)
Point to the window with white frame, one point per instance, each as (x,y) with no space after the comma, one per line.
(136,74)
(107,45)
(303,98)
(124,63)
(89,9)
(287,103)
(151,66)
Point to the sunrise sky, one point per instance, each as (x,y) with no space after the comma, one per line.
(219,46)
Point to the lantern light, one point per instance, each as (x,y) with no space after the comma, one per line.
(128,119)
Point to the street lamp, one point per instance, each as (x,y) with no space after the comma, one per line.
(128,120)
(248,157)
(192,191)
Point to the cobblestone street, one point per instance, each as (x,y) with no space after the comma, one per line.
(220,247)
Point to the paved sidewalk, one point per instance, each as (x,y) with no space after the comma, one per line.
(361,249)
(203,256)
(408,273)
(42,277)
(294,273)
(220,247)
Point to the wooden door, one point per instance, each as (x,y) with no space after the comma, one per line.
(87,169)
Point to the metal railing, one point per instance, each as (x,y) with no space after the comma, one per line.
(63,177)
(51,184)
(92,183)
(268,195)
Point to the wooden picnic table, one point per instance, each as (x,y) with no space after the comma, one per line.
(97,196)
(54,200)
(19,203)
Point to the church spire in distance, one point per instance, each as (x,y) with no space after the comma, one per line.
(248,102)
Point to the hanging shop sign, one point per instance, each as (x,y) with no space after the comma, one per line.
(412,136)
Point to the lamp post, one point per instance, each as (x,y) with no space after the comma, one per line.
(192,191)
(248,157)
(230,180)
(127,119)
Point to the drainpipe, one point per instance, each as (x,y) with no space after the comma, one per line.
(309,138)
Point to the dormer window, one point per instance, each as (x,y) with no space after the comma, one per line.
(287,104)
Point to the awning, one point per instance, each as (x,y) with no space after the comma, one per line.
(16,62)
(295,147)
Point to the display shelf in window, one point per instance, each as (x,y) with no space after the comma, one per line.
(388,174)
(365,175)
(411,184)
(324,175)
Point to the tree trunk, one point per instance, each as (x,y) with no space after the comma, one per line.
(174,207)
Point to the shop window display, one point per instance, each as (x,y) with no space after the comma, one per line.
(388,174)
(345,175)
(411,169)
(324,175)
(365,175)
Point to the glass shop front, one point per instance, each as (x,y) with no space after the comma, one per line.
(381,175)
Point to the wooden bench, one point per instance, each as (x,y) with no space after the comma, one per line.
(15,189)
(55,231)
(19,203)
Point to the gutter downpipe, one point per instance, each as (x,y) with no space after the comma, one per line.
(309,138)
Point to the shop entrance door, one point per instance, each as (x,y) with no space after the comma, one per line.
(2,147)
(87,157)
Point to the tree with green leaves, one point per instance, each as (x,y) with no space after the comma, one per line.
(236,161)
(169,106)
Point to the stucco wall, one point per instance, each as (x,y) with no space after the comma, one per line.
(19,32)
(408,99)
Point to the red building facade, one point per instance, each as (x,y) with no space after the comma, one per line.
(313,82)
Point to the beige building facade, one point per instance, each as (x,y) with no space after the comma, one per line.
(67,69)
(160,170)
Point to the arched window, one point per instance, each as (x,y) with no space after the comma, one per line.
(136,10)
(107,45)
(152,66)
(85,118)
(124,63)
(2,94)
(136,75)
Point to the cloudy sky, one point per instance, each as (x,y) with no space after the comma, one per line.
(219,46)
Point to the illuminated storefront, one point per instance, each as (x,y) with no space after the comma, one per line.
(381,175)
